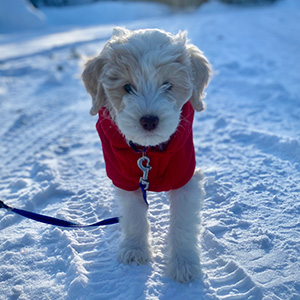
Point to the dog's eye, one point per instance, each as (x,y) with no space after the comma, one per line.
(129,88)
(167,86)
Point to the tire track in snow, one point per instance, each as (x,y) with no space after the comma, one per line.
(34,134)
(226,279)
(35,164)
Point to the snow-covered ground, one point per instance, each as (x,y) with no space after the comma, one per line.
(247,143)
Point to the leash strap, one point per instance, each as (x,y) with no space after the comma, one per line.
(55,221)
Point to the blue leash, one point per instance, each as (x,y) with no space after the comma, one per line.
(55,221)
(144,184)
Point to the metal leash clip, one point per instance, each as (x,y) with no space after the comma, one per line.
(145,169)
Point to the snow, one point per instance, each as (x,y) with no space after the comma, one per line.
(19,14)
(247,143)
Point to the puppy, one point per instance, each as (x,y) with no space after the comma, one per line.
(145,86)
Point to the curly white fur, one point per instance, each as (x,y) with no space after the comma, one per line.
(152,73)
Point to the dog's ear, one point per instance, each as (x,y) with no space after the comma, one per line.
(90,78)
(201,74)
(120,31)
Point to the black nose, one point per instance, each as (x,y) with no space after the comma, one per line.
(149,122)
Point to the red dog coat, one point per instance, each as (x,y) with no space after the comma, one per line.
(172,167)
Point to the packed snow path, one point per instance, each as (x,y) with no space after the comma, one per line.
(247,143)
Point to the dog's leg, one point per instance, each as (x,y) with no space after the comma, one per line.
(134,247)
(184,255)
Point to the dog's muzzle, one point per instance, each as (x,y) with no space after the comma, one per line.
(149,123)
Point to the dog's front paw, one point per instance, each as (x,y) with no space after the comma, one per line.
(133,253)
(184,270)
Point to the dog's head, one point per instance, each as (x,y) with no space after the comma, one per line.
(143,78)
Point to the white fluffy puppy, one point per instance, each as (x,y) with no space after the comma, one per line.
(145,85)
